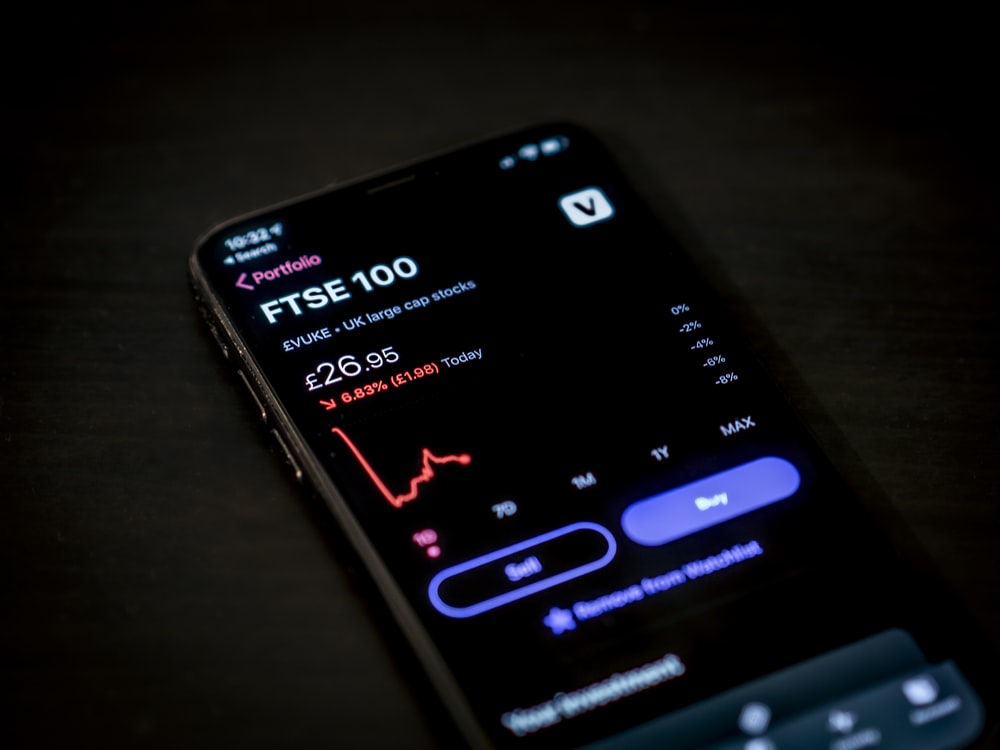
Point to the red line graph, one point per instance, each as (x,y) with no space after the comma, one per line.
(427,458)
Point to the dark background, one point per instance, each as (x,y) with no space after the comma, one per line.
(164,583)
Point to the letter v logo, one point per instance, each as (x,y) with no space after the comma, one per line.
(587,206)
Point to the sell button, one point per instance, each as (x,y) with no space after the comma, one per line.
(522,569)
(705,502)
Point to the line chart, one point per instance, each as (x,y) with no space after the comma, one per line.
(427,459)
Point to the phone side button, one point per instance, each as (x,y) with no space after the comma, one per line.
(219,340)
(288,456)
(253,394)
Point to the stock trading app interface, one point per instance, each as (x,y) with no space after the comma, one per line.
(587,491)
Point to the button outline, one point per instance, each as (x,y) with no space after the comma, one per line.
(523,591)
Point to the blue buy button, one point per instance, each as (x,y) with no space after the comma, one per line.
(705,502)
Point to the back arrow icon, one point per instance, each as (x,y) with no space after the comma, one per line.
(240,284)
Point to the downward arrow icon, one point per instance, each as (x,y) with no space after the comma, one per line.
(590,209)
(240,282)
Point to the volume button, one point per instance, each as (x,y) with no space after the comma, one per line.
(219,340)
(288,456)
(253,394)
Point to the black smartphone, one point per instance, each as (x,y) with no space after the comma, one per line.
(594,516)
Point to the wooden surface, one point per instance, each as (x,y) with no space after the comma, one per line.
(164,583)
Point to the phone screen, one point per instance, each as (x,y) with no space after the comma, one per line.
(593,514)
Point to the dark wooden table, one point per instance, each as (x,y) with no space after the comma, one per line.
(164,583)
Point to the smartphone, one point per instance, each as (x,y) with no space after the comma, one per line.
(594,516)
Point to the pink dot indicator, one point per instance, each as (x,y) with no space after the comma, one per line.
(433,551)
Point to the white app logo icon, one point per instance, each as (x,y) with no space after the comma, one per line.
(920,690)
(587,206)
(754,718)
